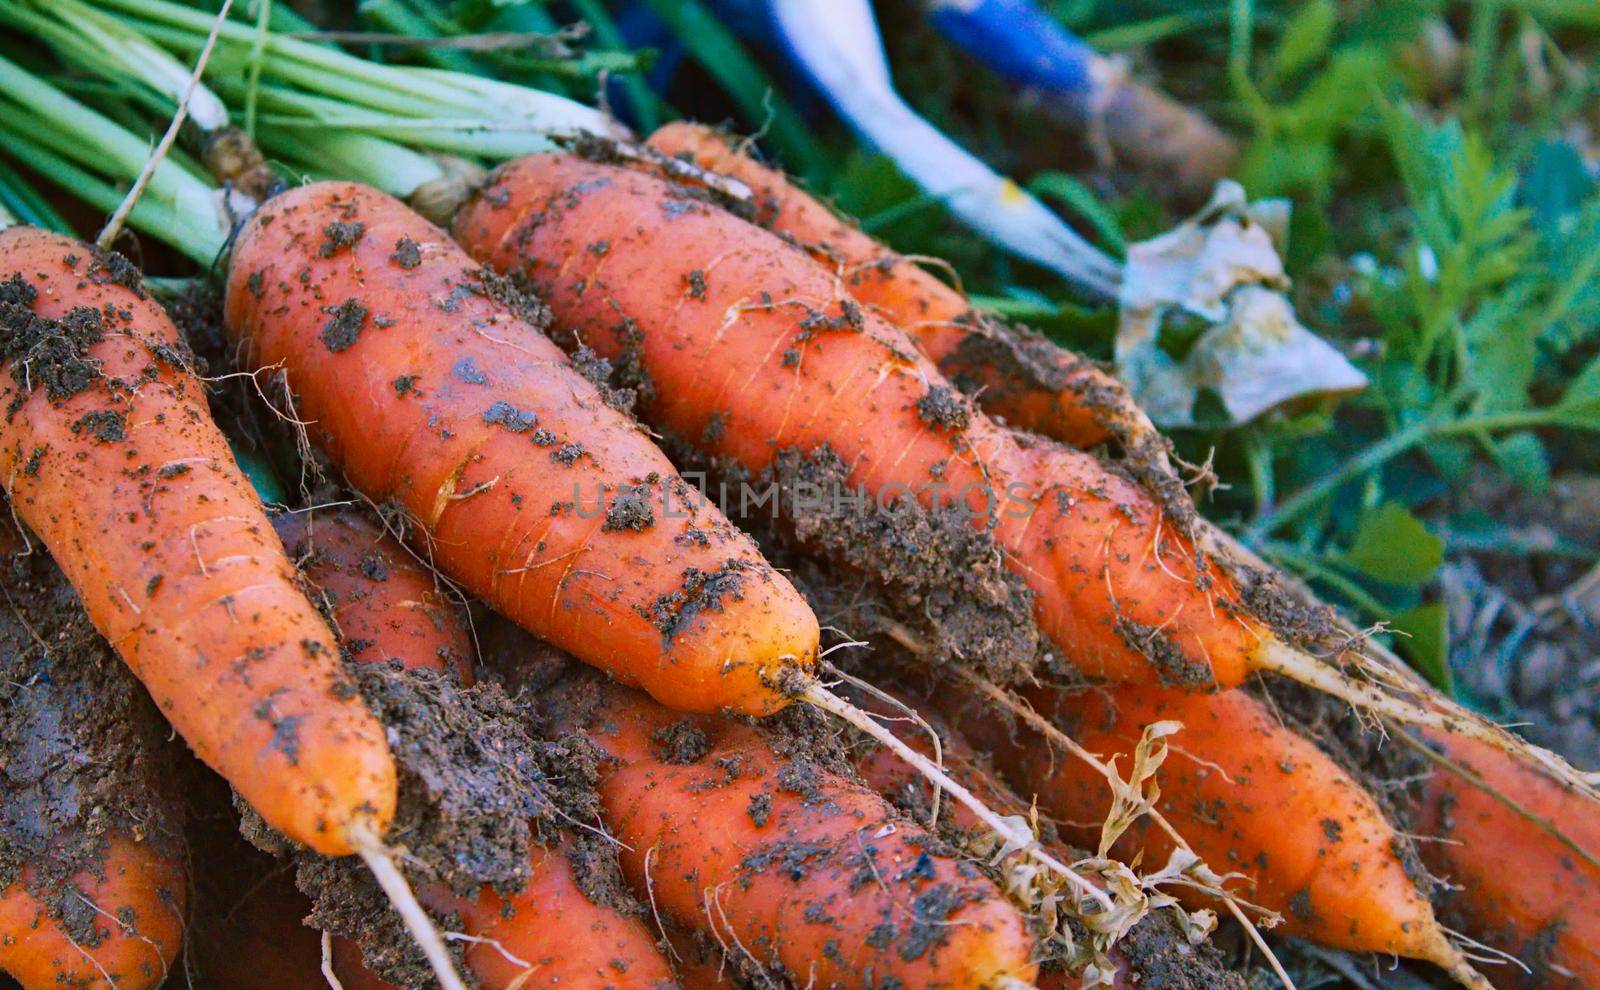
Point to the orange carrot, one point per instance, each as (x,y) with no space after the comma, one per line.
(1154,950)
(1033,383)
(754,350)
(1249,796)
(382,602)
(131,905)
(1522,889)
(791,866)
(109,454)
(549,934)
(429,389)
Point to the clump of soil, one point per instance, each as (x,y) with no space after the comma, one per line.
(83,750)
(999,360)
(475,792)
(1158,950)
(939,575)
(48,353)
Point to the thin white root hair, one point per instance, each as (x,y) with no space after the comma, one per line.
(1022,838)
(381,862)
(911,713)
(1301,666)
(1260,943)
(1017,707)
(327,962)
(1012,983)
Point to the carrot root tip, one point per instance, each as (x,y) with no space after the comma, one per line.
(381,862)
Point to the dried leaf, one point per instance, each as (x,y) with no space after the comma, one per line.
(1223,266)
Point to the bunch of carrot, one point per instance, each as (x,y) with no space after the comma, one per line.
(491,417)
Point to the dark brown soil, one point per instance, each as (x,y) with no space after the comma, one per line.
(46,353)
(1159,953)
(83,751)
(475,792)
(937,574)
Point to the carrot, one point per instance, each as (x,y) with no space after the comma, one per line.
(1014,373)
(786,863)
(93,883)
(430,390)
(41,951)
(110,456)
(1525,879)
(550,933)
(1156,951)
(553,935)
(1249,796)
(381,601)
(752,351)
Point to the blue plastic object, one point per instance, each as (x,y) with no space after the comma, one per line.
(1021,42)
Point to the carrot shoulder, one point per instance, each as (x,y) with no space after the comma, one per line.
(110,455)
(430,389)
(754,350)
(1521,889)
(1033,383)
(789,865)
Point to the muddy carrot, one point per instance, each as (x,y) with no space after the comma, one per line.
(788,864)
(100,950)
(109,454)
(1522,856)
(1015,373)
(753,353)
(433,388)
(1249,796)
(1155,950)
(550,933)
(382,602)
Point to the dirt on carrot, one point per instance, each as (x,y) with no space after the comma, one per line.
(83,751)
(1159,951)
(929,565)
(475,792)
